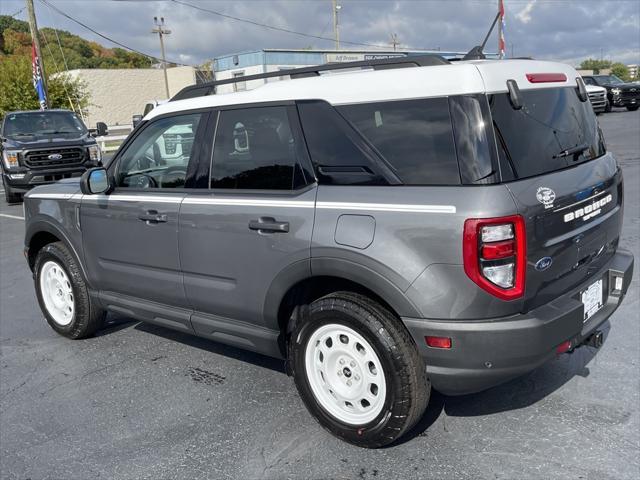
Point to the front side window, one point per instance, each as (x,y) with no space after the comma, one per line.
(414,136)
(159,156)
(257,148)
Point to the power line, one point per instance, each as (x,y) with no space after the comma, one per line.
(45,2)
(273,27)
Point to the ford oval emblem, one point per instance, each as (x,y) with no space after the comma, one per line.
(543,264)
(55,156)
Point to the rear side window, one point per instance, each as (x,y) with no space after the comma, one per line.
(553,130)
(414,136)
(257,148)
(339,155)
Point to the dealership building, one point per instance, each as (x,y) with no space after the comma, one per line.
(272,60)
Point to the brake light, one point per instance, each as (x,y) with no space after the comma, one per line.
(495,255)
(546,77)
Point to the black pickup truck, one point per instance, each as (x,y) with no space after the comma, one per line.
(619,93)
(39,147)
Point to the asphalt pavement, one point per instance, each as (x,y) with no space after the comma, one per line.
(143,402)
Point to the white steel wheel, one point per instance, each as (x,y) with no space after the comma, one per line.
(57,293)
(345,374)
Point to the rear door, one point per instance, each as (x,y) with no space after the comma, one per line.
(565,185)
(250,224)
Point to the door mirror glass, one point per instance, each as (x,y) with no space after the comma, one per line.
(101,129)
(95,181)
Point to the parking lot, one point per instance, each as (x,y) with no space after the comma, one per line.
(139,401)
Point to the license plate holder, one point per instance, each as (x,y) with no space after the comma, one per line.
(592,299)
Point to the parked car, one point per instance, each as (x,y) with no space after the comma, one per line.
(619,93)
(40,147)
(448,225)
(598,98)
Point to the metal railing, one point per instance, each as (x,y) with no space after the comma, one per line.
(116,135)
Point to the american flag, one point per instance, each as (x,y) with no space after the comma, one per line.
(501,47)
(38,82)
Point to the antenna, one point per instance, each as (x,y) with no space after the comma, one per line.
(477,52)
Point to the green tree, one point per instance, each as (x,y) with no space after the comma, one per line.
(595,65)
(17,92)
(621,71)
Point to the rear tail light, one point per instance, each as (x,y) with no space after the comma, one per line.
(495,255)
(438,342)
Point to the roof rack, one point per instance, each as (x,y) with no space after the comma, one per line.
(209,88)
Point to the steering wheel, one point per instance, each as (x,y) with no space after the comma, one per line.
(143,180)
(172,175)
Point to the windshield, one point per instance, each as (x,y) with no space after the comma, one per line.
(42,124)
(553,130)
(608,79)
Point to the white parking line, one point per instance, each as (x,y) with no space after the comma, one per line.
(11,216)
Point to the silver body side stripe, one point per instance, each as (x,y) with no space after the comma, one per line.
(379,207)
(387,207)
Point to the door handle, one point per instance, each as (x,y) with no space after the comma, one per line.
(152,216)
(268,224)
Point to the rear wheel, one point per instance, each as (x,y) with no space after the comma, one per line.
(63,295)
(633,108)
(358,370)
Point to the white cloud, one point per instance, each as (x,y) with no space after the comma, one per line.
(524,15)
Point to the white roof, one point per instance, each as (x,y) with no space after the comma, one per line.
(457,78)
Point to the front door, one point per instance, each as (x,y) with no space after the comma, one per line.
(253,223)
(130,236)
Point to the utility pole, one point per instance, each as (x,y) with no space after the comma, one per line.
(33,27)
(336,29)
(161,31)
(394,41)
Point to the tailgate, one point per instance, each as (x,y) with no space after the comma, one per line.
(573,221)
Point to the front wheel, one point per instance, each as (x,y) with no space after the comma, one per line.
(633,108)
(358,370)
(63,295)
(9,195)
(607,107)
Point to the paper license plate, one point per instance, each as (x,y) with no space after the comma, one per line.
(592,299)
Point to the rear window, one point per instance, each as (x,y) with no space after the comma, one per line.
(553,130)
(414,136)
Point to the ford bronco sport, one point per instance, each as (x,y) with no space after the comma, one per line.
(449,225)
(40,147)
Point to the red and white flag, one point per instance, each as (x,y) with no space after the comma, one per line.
(501,44)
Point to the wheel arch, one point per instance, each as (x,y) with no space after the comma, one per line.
(41,233)
(298,285)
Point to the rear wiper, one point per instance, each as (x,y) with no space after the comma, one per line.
(572,151)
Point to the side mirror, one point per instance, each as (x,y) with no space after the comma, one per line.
(135,120)
(101,129)
(95,180)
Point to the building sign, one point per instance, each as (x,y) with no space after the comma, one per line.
(340,57)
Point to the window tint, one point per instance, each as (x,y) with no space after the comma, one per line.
(159,156)
(414,136)
(553,130)
(336,151)
(474,139)
(257,148)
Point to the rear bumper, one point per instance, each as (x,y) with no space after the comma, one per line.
(486,353)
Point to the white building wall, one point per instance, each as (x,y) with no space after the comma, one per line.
(251,84)
(117,94)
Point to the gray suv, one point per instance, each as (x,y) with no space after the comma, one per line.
(449,225)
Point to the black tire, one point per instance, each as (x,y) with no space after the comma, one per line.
(633,108)
(87,317)
(10,196)
(407,387)
(607,107)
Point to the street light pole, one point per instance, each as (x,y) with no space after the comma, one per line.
(336,29)
(161,31)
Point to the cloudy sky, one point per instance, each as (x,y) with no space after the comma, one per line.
(567,30)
